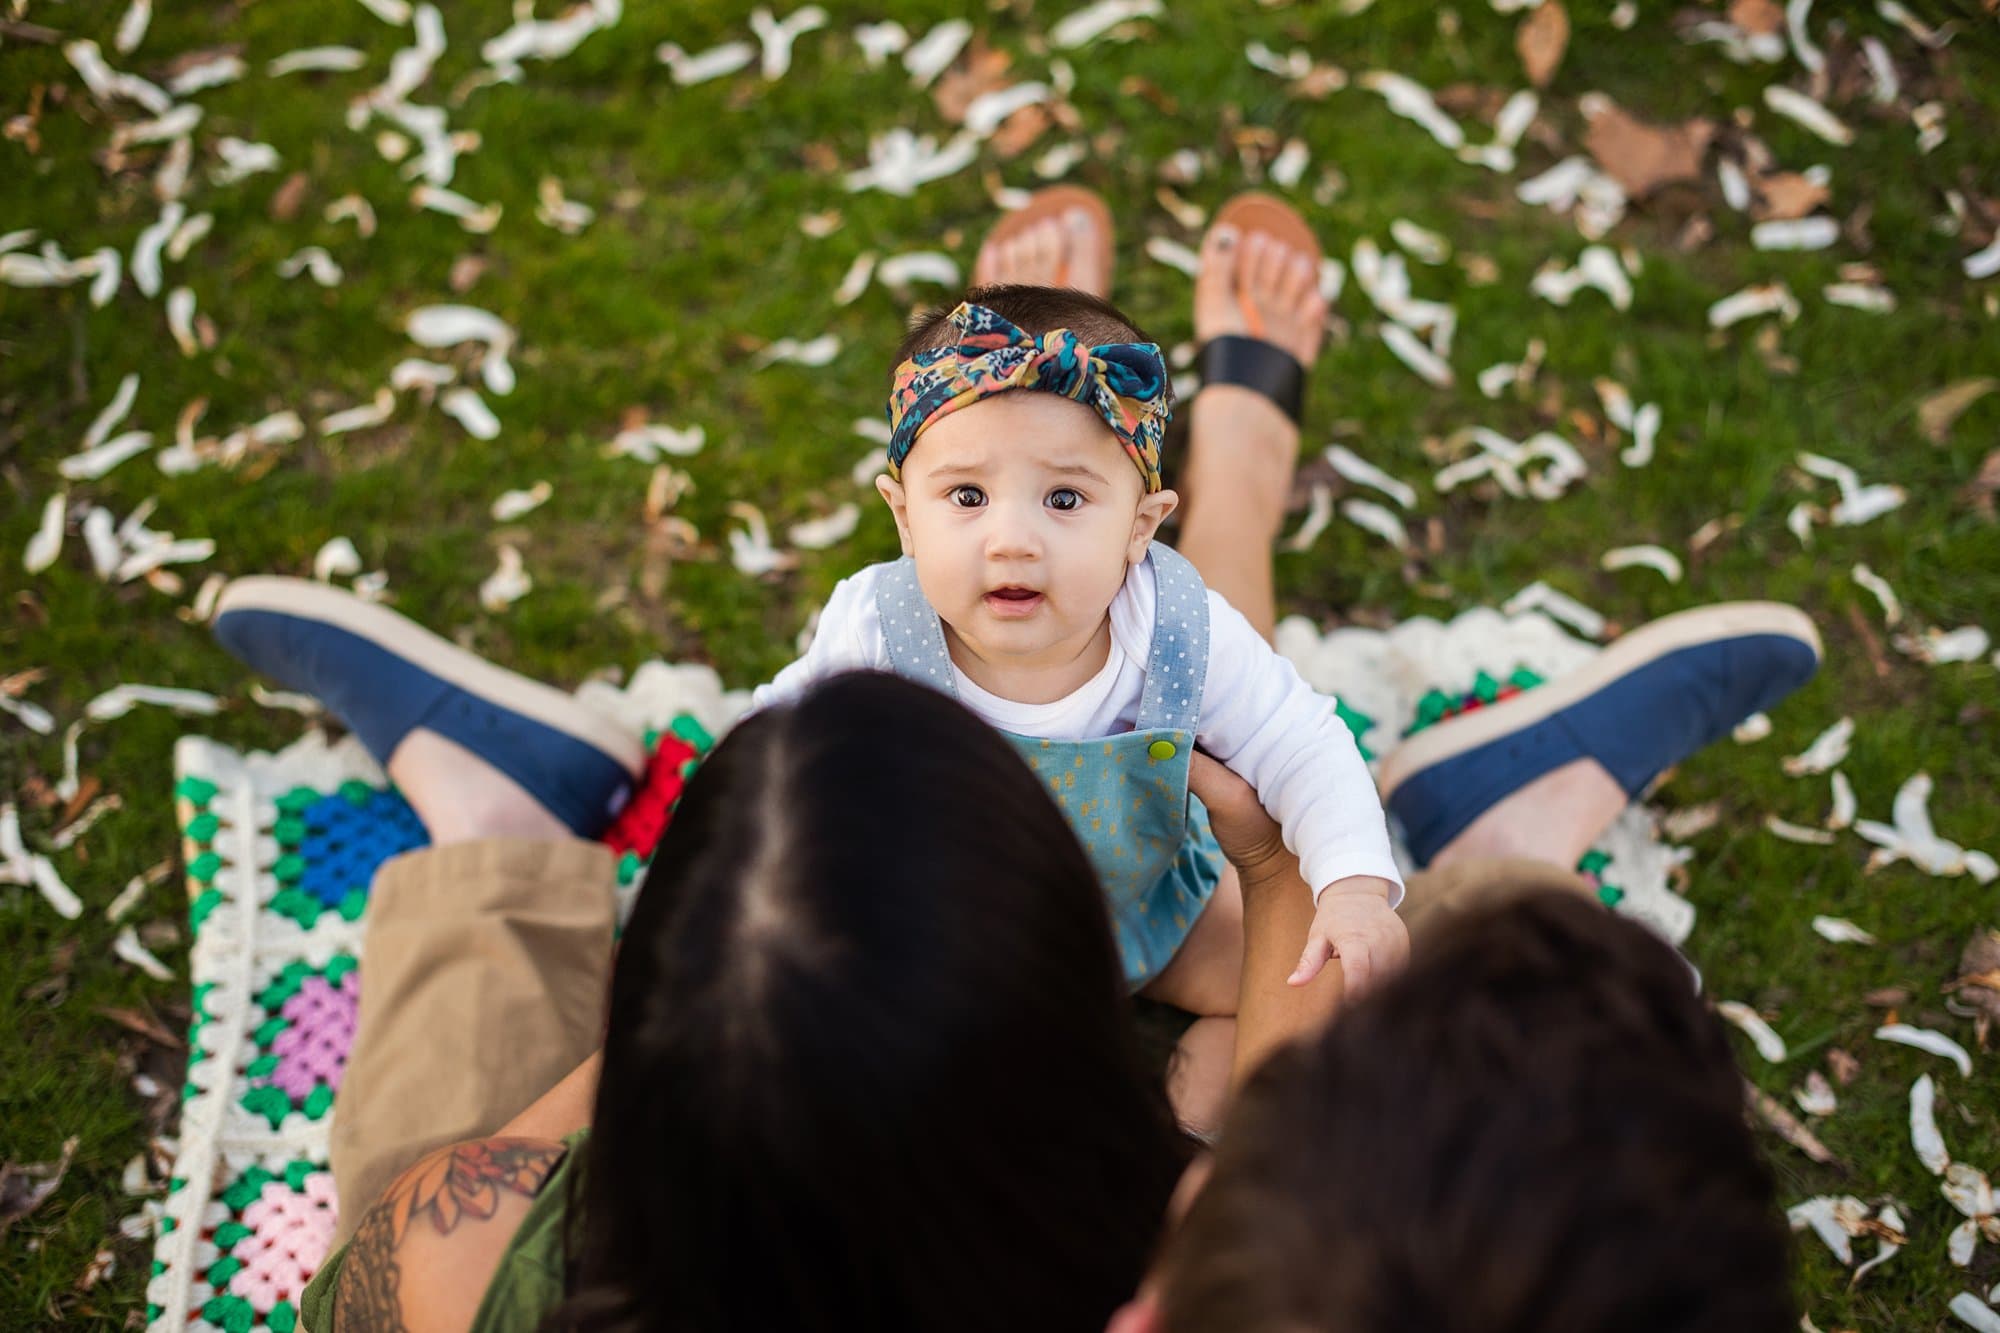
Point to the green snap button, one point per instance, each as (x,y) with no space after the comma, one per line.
(1161,749)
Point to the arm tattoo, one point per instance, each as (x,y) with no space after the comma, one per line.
(464,1180)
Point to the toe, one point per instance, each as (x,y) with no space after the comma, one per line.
(1215,285)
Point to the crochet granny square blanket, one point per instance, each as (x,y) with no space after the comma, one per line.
(280,849)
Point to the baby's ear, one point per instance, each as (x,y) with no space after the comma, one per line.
(897,499)
(1153,510)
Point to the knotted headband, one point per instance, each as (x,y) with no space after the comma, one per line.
(1125,383)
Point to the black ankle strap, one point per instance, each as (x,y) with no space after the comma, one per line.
(1258,365)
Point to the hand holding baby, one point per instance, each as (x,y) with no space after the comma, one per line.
(1355,924)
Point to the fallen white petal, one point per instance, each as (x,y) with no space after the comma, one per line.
(869,466)
(1765,298)
(1413,352)
(1751,729)
(1368,515)
(1768,1043)
(1936,647)
(1656,558)
(146,249)
(241,160)
(1174,255)
(1866,505)
(855,280)
(519,504)
(188,235)
(879,41)
(1814,233)
(30,715)
(1790,832)
(1839,930)
(1892,609)
(986,111)
(1289,167)
(1984,263)
(1824,1215)
(1539,596)
(1319,513)
(46,544)
(1795,106)
(366,416)
(337,559)
(1085,25)
(1975,1313)
(507,584)
(750,548)
(315,260)
(1925,1039)
(918,266)
(50,885)
(933,53)
(416,373)
(128,948)
(1934,38)
(475,217)
(1364,473)
(94,463)
(1827,750)
(819,533)
(1412,101)
(180,319)
(469,410)
(393,12)
(1924,1135)
(899,161)
(206,74)
(1885,1249)
(1816,1097)
(317,59)
(818,351)
(1871,297)
(1802,44)
(110,270)
(352,206)
(777,36)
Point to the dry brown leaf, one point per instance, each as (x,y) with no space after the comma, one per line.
(1757,16)
(1845,1067)
(24,1187)
(1017,133)
(1541,40)
(1788,1126)
(1980,491)
(1937,412)
(1978,983)
(981,69)
(289,197)
(1786,194)
(1132,85)
(1643,157)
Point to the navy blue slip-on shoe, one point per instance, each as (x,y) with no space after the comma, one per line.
(1648,701)
(385,676)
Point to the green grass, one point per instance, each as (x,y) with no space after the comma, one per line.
(697,250)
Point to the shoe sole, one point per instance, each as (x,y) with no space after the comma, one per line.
(1648,643)
(307,600)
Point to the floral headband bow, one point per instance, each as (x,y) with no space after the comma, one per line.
(1125,383)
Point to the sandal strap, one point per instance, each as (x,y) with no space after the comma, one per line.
(1252,363)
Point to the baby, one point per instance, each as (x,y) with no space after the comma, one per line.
(1031,589)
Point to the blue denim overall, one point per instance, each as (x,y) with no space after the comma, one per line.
(1125,796)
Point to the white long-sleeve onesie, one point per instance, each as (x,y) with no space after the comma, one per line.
(1257,716)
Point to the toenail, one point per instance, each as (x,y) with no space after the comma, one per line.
(1225,237)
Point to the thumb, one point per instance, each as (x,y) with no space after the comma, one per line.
(1312,962)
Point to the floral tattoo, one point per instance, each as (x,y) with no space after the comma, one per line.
(465,1180)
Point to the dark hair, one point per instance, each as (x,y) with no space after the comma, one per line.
(1030,309)
(870,1062)
(1536,1128)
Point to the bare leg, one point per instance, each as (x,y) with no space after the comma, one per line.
(1555,818)
(1241,447)
(460,797)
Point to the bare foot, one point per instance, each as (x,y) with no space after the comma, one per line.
(1555,818)
(460,797)
(1061,251)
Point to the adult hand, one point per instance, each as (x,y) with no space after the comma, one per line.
(1248,835)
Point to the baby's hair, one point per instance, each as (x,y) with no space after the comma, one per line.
(1536,1128)
(1030,309)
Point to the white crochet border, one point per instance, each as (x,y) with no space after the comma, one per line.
(1383,674)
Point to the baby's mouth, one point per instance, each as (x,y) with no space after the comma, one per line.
(1012,601)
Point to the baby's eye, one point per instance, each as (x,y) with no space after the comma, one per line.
(967,497)
(1065,499)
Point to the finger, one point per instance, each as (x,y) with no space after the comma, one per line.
(1211,780)
(1358,966)
(1311,962)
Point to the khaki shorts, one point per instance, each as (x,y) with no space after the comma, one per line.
(484,984)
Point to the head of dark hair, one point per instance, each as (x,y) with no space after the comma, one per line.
(869,1063)
(1030,309)
(1536,1128)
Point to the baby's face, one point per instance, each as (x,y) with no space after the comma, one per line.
(1023,512)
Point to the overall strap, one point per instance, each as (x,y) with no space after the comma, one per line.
(912,630)
(1178,663)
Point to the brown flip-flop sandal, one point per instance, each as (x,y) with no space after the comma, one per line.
(1052,202)
(1250,360)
